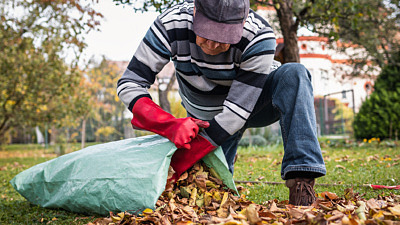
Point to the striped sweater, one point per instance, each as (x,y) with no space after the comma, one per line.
(222,89)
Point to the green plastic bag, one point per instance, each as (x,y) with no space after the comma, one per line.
(127,175)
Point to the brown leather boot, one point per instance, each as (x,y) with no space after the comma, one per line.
(301,191)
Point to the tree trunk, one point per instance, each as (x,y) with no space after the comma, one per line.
(163,95)
(121,123)
(83,133)
(164,102)
(54,135)
(289,30)
(250,137)
(3,136)
(4,127)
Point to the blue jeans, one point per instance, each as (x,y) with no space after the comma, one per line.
(288,97)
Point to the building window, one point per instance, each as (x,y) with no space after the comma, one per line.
(368,87)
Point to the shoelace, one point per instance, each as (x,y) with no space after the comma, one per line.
(302,188)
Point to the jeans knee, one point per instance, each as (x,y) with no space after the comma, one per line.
(296,73)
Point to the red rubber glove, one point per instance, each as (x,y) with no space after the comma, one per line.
(183,159)
(149,116)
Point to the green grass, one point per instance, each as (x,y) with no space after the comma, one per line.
(348,164)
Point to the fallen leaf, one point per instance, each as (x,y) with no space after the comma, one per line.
(376,204)
(193,196)
(340,166)
(395,210)
(184,222)
(148,211)
(165,220)
(116,218)
(296,213)
(379,215)
(361,210)
(267,213)
(222,212)
(329,195)
(252,215)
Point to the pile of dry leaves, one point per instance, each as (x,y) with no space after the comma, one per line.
(199,197)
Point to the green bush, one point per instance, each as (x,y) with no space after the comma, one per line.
(379,115)
(255,140)
(261,136)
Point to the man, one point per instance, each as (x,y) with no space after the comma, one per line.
(223,55)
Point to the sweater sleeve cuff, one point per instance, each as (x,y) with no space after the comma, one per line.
(132,103)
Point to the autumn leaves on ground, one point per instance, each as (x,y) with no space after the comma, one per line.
(200,198)
(343,196)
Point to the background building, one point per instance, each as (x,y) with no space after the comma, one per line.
(335,91)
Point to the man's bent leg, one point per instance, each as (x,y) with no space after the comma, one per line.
(289,92)
(293,97)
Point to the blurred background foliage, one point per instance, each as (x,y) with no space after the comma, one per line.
(43,88)
(41,42)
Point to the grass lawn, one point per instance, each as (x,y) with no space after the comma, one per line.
(348,165)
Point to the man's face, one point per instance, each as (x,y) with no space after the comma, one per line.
(211,47)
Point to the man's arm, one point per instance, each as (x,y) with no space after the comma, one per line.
(153,54)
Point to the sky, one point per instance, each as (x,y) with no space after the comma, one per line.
(121,31)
